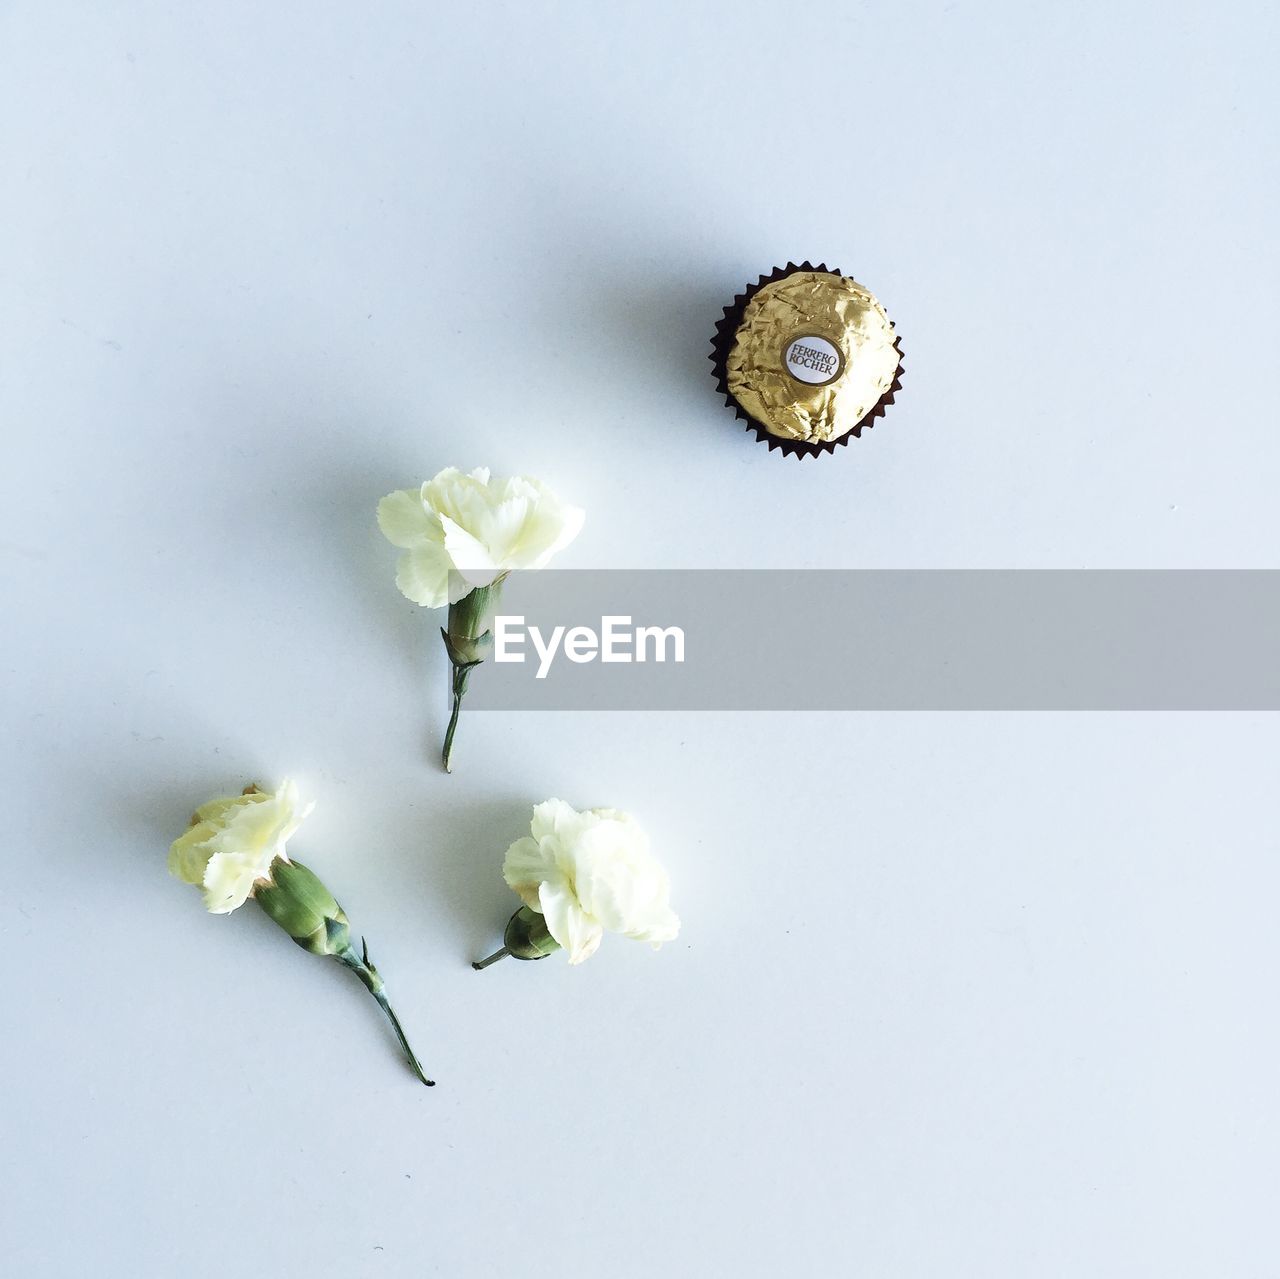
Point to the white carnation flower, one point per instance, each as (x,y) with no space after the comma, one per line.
(588,872)
(481,528)
(233,842)
(235,850)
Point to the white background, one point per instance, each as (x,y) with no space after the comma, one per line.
(956,995)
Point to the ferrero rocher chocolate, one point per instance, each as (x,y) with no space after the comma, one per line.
(813,354)
(808,356)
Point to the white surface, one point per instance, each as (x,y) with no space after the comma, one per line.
(956,995)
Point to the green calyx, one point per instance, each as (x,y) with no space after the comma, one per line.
(300,903)
(525,937)
(466,638)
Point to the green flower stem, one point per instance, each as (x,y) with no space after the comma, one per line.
(466,640)
(460,676)
(372,979)
(493,959)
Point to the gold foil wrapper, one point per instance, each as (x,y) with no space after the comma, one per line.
(829,385)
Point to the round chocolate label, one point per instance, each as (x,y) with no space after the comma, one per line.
(812,359)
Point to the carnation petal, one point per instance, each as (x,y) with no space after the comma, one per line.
(547,524)
(567,922)
(554,819)
(505,531)
(468,554)
(404,521)
(228,881)
(620,882)
(525,868)
(423,575)
(569,520)
(458,496)
(189,854)
(216,810)
(436,492)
